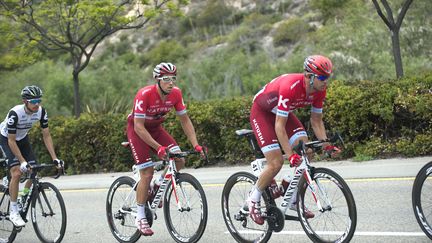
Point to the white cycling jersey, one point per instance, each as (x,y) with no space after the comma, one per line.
(19,122)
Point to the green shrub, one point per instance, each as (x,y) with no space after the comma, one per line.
(290,31)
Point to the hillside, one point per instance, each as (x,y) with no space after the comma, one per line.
(231,48)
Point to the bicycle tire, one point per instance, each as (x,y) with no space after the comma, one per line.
(189,186)
(234,195)
(7,229)
(122,225)
(422,201)
(48,209)
(342,205)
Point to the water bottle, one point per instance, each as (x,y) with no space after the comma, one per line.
(5,182)
(274,189)
(284,184)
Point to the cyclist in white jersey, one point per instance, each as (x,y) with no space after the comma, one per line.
(16,145)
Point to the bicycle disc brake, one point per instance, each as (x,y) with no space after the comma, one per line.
(275,218)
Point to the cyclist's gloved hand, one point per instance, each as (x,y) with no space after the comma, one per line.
(23,167)
(201,149)
(161,152)
(295,160)
(332,151)
(59,163)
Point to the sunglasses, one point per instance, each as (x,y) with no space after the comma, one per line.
(321,77)
(168,79)
(35,101)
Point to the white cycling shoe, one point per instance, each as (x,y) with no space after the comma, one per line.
(16,219)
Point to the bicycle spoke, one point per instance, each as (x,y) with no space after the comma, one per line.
(121,210)
(187,223)
(338,219)
(49,214)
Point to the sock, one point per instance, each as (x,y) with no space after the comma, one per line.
(13,207)
(255,195)
(140,211)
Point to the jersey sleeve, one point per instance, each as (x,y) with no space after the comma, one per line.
(44,118)
(141,103)
(12,121)
(180,106)
(318,103)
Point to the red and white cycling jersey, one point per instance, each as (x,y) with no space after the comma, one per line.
(149,105)
(287,93)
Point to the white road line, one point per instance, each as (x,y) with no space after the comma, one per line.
(361,233)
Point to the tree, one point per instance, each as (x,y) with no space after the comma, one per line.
(77,27)
(394,28)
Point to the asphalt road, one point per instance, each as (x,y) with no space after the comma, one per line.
(381,188)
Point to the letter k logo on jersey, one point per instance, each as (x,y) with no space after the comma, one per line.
(138,105)
(283,102)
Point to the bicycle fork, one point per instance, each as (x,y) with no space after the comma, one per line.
(176,188)
(315,189)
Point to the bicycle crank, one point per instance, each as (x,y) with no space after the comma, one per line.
(275,218)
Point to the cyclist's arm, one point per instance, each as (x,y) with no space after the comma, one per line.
(49,143)
(281,134)
(317,123)
(142,132)
(14,147)
(188,129)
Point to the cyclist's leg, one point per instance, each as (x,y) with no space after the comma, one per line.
(28,154)
(262,124)
(141,155)
(296,133)
(165,139)
(15,173)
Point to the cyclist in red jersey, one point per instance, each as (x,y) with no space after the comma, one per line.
(274,122)
(146,134)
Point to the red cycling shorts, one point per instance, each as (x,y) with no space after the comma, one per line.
(141,150)
(263,125)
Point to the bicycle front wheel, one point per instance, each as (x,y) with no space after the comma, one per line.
(422,199)
(48,213)
(7,229)
(337,220)
(186,219)
(121,210)
(236,212)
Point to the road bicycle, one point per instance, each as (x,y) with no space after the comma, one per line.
(422,199)
(184,204)
(48,211)
(319,190)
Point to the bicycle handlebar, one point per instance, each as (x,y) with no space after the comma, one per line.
(36,168)
(317,145)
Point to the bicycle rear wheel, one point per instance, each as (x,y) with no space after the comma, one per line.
(235,211)
(121,210)
(7,229)
(188,223)
(48,213)
(338,221)
(422,199)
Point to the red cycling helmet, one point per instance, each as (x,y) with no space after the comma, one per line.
(163,69)
(318,65)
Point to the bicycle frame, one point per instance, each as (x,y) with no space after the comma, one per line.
(170,176)
(305,169)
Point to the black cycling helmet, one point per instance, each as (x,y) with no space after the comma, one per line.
(31,92)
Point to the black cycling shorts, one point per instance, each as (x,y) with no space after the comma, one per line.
(25,148)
